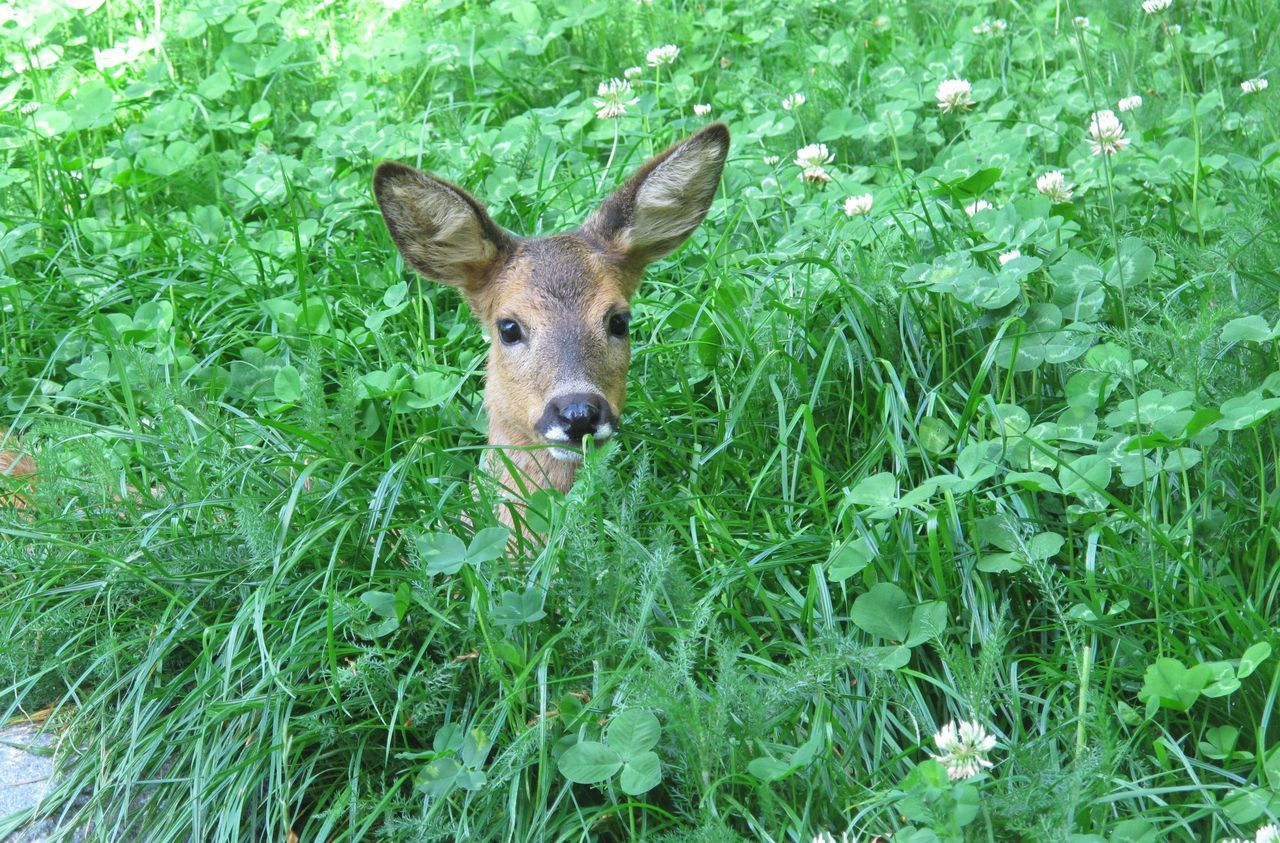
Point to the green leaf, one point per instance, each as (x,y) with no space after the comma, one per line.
(487,545)
(878,490)
(1222,679)
(1271,766)
(1000,563)
(520,607)
(1134,831)
(448,738)
(806,752)
(884,611)
(633,732)
(471,779)
(928,620)
(891,658)
(768,769)
(1247,329)
(1069,343)
(641,774)
(93,106)
(934,434)
(589,762)
(848,558)
(992,291)
(1246,410)
(966,804)
(1000,530)
(395,294)
(383,605)
(475,746)
(1245,805)
(839,123)
(1009,419)
(978,183)
(1083,475)
(1044,545)
(1219,742)
(215,85)
(443,553)
(437,778)
(1036,481)
(1254,656)
(1132,265)
(432,388)
(1172,685)
(288,384)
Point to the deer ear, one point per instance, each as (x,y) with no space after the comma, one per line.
(442,231)
(667,198)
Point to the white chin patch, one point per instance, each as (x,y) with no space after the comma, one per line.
(565,455)
(557,434)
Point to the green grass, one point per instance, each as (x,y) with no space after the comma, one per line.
(1055,481)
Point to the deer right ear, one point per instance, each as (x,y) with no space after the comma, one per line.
(667,198)
(442,231)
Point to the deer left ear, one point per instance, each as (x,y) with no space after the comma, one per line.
(660,206)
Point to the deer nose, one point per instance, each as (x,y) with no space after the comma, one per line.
(576,415)
(580,416)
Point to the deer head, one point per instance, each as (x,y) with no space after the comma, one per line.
(556,308)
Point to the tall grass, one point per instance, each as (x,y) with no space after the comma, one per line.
(247,419)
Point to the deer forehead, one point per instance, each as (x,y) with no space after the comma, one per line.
(560,279)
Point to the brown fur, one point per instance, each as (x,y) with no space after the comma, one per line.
(17,471)
(562,289)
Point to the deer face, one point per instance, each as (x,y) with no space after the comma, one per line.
(557,309)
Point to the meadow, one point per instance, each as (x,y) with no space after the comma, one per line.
(945,505)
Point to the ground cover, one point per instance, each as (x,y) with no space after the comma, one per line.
(959,409)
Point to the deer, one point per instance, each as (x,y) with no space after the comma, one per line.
(557,309)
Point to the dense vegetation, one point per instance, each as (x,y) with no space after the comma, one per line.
(878,472)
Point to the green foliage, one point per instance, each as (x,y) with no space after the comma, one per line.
(1012,463)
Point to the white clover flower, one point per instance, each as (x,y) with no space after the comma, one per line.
(1106,133)
(1174,28)
(1269,833)
(813,155)
(666,54)
(792,101)
(979,205)
(881,22)
(1054,186)
(702,109)
(613,99)
(771,160)
(991,27)
(816,175)
(1129,103)
(632,72)
(964,747)
(1008,256)
(1153,6)
(856,206)
(954,95)
(1253,86)
(828,837)
(29,107)
(1081,22)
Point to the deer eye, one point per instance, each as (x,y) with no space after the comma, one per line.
(510,332)
(618,324)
